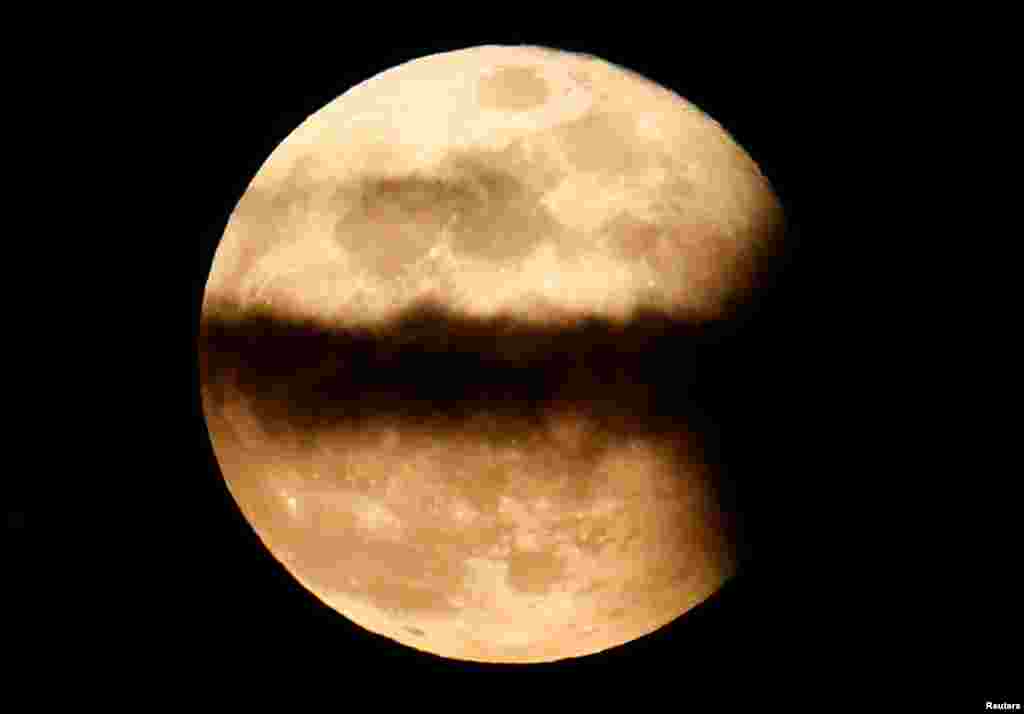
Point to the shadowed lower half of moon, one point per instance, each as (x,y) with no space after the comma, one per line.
(467,495)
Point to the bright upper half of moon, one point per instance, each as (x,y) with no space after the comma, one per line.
(500,181)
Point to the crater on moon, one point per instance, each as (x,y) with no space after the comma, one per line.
(483,204)
(607,141)
(535,571)
(512,89)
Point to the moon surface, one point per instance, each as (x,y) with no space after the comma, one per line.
(439,345)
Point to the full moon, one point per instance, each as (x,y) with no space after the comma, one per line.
(442,351)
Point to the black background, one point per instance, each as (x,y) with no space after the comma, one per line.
(247,609)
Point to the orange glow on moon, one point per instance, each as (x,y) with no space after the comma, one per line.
(435,351)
